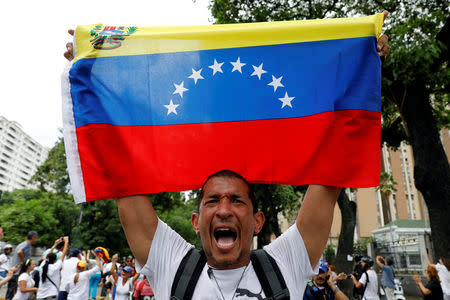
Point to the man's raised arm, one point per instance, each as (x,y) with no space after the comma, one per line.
(139,222)
(315,218)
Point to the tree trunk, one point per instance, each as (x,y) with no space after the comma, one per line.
(431,167)
(346,236)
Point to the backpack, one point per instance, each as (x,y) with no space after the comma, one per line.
(361,290)
(266,269)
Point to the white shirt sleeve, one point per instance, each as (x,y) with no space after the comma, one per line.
(363,278)
(167,250)
(90,272)
(290,253)
(3,259)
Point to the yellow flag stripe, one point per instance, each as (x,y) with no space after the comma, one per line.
(151,40)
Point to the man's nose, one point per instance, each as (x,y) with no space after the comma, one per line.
(224,208)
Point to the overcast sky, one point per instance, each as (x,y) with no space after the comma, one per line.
(34,34)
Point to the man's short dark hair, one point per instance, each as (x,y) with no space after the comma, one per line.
(31,234)
(229,174)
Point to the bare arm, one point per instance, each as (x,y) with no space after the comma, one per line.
(428,260)
(315,218)
(66,248)
(379,263)
(21,256)
(356,282)
(24,289)
(422,288)
(139,222)
(339,295)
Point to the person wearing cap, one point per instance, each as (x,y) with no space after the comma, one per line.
(322,285)
(368,280)
(387,279)
(4,260)
(124,282)
(78,286)
(69,268)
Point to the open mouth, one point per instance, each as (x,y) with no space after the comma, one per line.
(225,238)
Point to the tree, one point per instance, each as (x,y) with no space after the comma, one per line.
(273,200)
(49,214)
(386,187)
(52,174)
(415,81)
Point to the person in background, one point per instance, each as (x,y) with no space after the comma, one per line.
(26,282)
(368,280)
(50,272)
(69,268)
(55,249)
(107,285)
(443,268)
(124,282)
(21,254)
(143,290)
(322,285)
(78,287)
(94,280)
(387,278)
(433,289)
(4,260)
(8,276)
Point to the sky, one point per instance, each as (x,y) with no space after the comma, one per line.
(33,42)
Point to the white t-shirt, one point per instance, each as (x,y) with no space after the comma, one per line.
(80,291)
(47,288)
(168,249)
(371,291)
(4,262)
(30,283)
(444,275)
(123,290)
(69,268)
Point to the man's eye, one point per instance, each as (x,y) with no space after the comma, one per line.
(211,202)
(238,201)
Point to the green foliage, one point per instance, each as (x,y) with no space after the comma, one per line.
(361,245)
(49,214)
(329,254)
(101,226)
(179,219)
(52,174)
(387,184)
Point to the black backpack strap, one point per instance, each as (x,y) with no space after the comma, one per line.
(187,275)
(269,275)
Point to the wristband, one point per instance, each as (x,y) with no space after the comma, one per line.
(336,289)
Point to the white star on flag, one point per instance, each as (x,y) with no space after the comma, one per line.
(276,82)
(258,71)
(237,66)
(216,67)
(196,75)
(180,89)
(171,108)
(286,100)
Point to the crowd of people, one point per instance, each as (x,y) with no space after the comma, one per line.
(73,274)
(65,274)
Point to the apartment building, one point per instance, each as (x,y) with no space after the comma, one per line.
(19,156)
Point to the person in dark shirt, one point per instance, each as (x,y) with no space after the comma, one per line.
(433,289)
(322,286)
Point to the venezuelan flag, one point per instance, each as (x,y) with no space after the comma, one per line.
(152,109)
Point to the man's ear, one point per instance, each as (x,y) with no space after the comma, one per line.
(260,219)
(194,221)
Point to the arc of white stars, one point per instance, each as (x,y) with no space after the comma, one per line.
(171,108)
(286,100)
(276,83)
(180,89)
(216,67)
(258,71)
(196,75)
(237,65)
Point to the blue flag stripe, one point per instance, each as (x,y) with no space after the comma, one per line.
(235,84)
